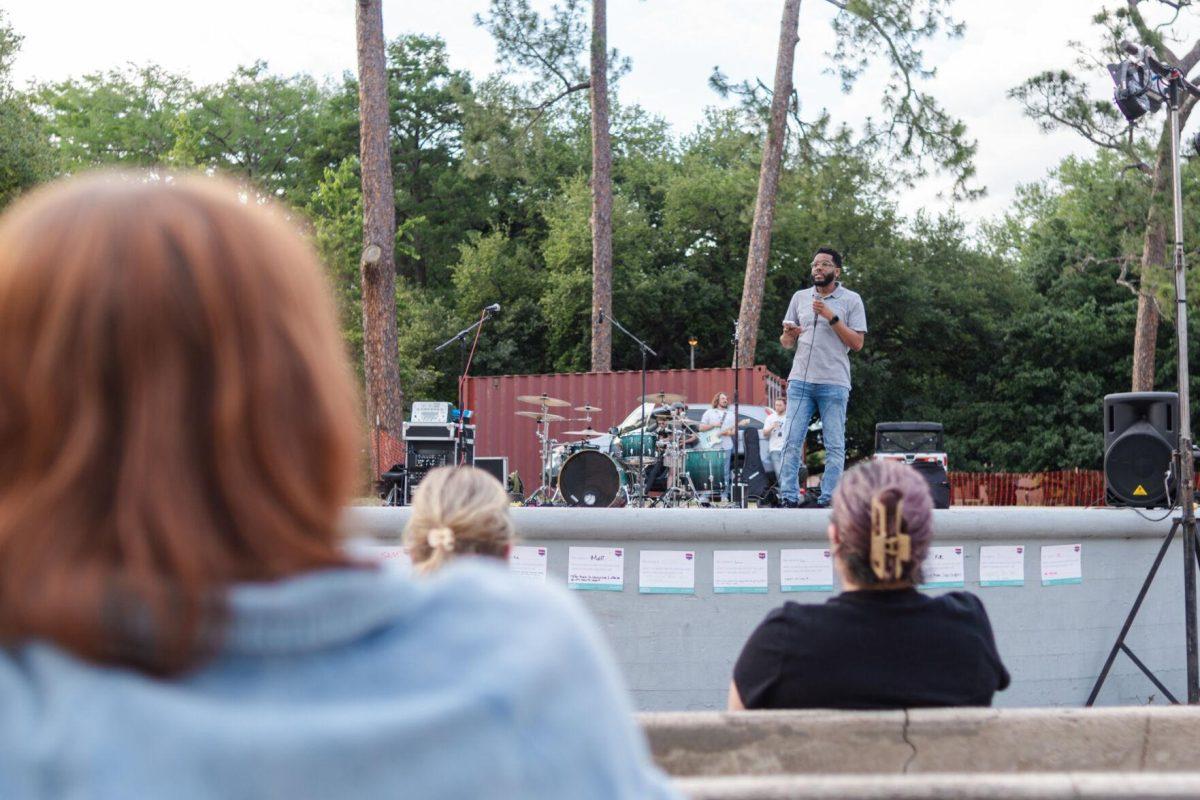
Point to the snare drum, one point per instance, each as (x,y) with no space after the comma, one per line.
(706,468)
(590,478)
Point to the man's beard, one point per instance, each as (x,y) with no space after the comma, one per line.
(823,282)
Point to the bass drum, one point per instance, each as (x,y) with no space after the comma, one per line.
(591,479)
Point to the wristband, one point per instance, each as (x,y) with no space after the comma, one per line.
(834,320)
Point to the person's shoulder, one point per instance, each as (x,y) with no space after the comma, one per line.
(852,295)
(792,614)
(963,604)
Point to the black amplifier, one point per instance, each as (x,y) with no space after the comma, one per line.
(424,455)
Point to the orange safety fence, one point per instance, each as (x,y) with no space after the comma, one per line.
(389,451)
(1068,487)
(1075,487)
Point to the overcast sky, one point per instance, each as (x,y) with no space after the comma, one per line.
(674,44)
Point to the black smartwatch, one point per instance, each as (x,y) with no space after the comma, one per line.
(834,320)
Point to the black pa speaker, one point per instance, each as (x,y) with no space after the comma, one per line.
(1141,431)
(939,484)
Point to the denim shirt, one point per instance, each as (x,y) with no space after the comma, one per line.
(342,684)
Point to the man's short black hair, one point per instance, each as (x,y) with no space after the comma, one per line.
(834,254)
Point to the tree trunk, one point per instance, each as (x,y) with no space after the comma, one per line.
(1154,250)
(385,400)
(602,266)
(768,187)
(1154,256)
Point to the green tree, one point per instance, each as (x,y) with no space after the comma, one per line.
(256,126)
(129,116)
(25,159)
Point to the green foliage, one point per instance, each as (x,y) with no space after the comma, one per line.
(125,117)
(255,126)
(1010,337)
(25,157)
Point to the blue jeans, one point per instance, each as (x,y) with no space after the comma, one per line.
(830,401)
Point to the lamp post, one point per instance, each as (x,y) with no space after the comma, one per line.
(692,342)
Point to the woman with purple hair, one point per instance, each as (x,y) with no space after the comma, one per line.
(880,643)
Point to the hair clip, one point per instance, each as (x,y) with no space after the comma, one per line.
(440,538)
(890,549)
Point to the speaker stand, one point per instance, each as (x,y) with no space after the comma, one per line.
(1184,459)
(1119,645)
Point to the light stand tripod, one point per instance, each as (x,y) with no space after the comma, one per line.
(1183,460)
(645,348)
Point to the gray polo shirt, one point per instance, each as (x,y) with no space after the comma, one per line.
(830,360)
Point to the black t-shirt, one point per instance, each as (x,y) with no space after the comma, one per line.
(873,649)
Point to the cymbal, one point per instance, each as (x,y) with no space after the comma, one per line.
(588,409)
(584,432)
(663,398)
(540,417)
(542,400)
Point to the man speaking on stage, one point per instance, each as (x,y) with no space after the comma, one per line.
(824,323)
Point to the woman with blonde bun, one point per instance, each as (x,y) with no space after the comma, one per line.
(880,643)
(458,511)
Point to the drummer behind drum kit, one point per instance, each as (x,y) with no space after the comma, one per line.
(582,474)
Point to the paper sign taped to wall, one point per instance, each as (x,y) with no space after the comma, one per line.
(667,572)
(596,568)
(944,568)
(740,571)
(1062,564)
(1002,565)
(806,570)
(528,563)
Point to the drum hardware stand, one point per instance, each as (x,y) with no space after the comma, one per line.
(645,348)
(680,488)
(1183,460)
(545,493)
(461,338)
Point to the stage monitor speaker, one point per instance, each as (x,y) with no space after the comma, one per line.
(496,466)
(1141,432)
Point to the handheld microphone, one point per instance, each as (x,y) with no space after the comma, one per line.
(494,308)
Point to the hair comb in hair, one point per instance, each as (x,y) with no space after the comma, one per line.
(890,549)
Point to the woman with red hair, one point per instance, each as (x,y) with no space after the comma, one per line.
(880,643)
(178,436)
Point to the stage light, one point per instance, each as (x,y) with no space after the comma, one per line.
(1136,93)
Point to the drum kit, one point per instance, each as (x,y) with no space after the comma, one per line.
(661,455)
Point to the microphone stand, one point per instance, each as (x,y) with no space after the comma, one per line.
(461,338)
(645,348)
(737,492)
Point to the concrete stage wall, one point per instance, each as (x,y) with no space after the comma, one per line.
(677,651)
